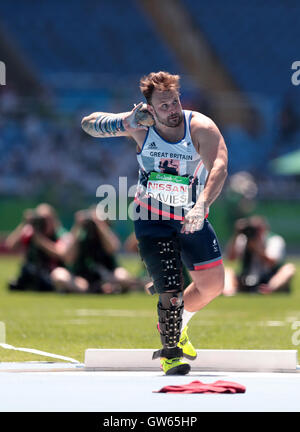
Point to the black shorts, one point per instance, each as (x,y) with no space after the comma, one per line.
(199,250)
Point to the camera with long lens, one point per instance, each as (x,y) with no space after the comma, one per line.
(247,227)
(248,279)
(249,231)
(38,222)
(86,215)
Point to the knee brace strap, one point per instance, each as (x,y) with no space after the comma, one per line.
(163,262)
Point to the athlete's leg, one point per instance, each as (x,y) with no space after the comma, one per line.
(162,259)
(163,262)
(202,256)
(207,284)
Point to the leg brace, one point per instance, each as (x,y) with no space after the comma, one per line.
(163,262)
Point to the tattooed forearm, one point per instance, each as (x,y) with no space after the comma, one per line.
(87,125)
(103,125)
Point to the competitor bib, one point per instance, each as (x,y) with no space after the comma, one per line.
(170,189)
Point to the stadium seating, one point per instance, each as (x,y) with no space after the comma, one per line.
(87,36)
(256,41)
(91,53)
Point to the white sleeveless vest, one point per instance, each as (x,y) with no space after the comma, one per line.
(177,159)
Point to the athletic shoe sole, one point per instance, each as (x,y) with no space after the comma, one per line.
(179,370)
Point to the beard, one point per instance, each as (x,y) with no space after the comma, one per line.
(171,121)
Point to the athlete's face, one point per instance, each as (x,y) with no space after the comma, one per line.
(166,108)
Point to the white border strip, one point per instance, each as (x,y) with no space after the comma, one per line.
(38,352)
(218,360)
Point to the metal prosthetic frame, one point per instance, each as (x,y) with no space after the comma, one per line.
(163,262)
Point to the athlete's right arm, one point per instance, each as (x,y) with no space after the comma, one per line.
(107,125)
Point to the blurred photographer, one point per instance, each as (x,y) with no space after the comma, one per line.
(261,255)
(44,240)
(91,259)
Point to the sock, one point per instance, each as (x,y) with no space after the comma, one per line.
(186,316)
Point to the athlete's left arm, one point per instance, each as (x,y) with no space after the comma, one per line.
(211,146)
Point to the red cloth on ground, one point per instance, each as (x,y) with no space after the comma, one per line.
(200,387)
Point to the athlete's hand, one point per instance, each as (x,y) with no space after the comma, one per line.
(130,121)
(193,220)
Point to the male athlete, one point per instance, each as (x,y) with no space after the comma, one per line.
(183,166)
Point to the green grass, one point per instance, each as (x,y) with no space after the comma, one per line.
(69,324)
